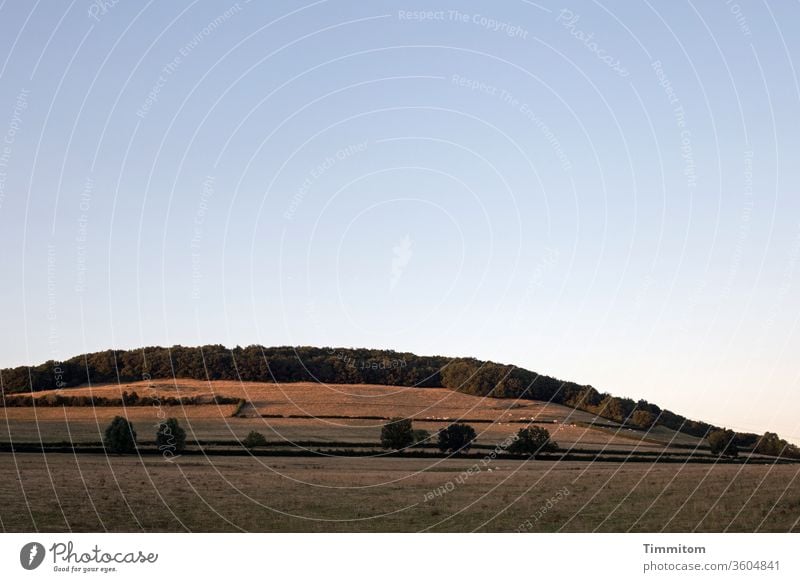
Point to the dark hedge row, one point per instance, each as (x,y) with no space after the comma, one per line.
(28,400)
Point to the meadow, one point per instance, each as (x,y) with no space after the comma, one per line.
(64,492)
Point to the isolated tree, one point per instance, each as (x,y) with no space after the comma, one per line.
(456,438)
(120,437)
(532,440)
(723,443)
(170,436)
(254,439)
(397,434)
(643,419)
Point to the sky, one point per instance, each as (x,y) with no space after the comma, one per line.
(602,192)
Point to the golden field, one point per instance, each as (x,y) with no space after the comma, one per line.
(314,403)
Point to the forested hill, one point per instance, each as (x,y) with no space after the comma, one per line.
(341,366)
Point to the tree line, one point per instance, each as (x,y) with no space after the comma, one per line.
(399,434)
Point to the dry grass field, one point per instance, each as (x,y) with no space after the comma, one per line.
(211,423)
(428,406)
(313,399)
(64,492)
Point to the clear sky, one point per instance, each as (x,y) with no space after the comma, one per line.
(606,193)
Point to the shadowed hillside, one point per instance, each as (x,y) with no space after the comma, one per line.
(354,366)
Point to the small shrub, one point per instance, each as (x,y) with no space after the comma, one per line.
(170,436)
(254,439)
(239,407)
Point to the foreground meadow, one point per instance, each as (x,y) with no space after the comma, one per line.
(65,492)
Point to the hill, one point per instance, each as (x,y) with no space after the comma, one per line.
(340,366)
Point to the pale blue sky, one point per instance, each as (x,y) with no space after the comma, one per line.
(607,193)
